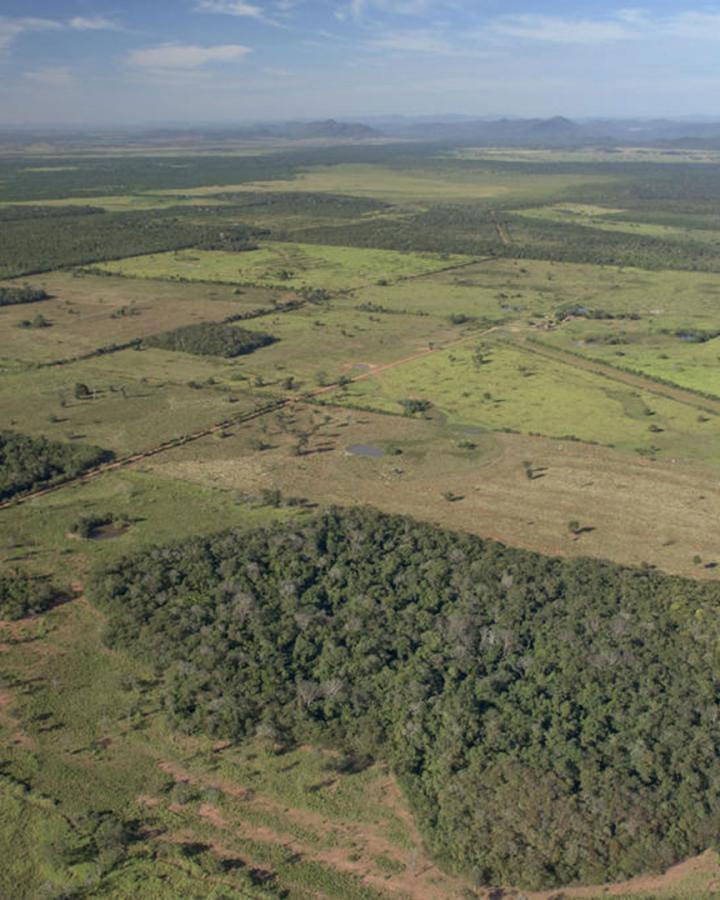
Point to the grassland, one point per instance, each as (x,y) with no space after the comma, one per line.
(87,312)
(285,265)
(590,216)
(417,184)
(513,390)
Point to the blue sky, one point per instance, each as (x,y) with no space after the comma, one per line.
(139,61)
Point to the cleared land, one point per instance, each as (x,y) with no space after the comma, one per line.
(634,510)
(286,265)
(87,312)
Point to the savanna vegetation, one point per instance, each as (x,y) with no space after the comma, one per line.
(520,346)
(561,709)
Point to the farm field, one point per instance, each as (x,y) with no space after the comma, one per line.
(290,266)
(87,312)
(526,387)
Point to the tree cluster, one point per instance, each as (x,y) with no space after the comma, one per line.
(10,296)
(23,595)
(549,720)
(28,463)
(210,339)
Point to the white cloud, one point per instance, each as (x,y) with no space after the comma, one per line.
(10,29)
(419,41)
(559,30)
(93,23)
(624,25)
(186,56)
(51,76)
(231,8)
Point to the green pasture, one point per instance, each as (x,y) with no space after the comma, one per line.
(415,184)
(515,390)
(336,340)
(285,265)
(688,364)
(37,533)
(139,399)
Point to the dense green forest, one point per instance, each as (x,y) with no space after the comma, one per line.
(24,595)
(549,720)
(38,245)
(210,339)
(472,228)
(9,296)
(28,463)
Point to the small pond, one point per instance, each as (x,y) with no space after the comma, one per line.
(365,450)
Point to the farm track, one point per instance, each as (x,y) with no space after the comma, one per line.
(239,419)
(679,394)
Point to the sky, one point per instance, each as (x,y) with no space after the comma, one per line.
(124,62)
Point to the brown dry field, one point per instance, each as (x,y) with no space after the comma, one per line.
(81,310)
(659,512)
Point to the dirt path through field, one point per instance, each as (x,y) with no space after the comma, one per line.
(605,370)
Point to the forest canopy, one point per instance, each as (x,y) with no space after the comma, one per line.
(24,595)
(9,296)
(28,463)
(550,720)
(210,339)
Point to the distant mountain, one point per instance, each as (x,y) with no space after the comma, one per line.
(330,128)
(560,132)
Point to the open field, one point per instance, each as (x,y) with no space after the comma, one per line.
(122,202)
(591,155)
(87,312)
(604,219)
(513,390)
(138,399)
(637,510)
(288,265)
(419,184)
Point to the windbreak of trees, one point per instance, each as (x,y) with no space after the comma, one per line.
(28,463)
(550,720)
(210,339)
(23,595)
(9,296)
